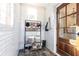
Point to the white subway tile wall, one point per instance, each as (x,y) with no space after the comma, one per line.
(9,44)
(9,39)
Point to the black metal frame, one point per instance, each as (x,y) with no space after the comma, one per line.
(25,33)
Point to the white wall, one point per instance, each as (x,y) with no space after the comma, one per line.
(40,17)
(50,35)
(9,38)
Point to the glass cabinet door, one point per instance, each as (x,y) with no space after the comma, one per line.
(62,12)
(71,20)
(61,32)
(62,22)
(71,8)
(67,19)
(62,25)
(66,35)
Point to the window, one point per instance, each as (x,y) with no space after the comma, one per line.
(6,14)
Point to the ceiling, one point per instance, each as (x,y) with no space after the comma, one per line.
(43,4)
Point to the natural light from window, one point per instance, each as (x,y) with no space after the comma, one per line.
(6,14)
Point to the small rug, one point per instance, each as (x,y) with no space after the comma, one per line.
(40,52)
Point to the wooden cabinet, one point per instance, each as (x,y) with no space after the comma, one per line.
(71,8)
(77,52)
(71,20)
(61,45)
(62,22)
(66,49)
(67,19)
(62,12)
(69,49)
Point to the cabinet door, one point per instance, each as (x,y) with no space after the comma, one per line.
(69,49)
(71,20)
(71,8)
(77,51)
(62,27)
(62,12)
(62,22)
(61,45)
(62,32)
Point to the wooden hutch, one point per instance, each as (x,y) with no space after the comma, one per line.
(68,29)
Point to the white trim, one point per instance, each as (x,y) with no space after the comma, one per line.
(56,53)
(58,5)
(55,41)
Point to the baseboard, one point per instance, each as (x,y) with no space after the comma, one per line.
(56,53)
(53,52)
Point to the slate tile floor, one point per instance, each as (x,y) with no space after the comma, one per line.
(40,52)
